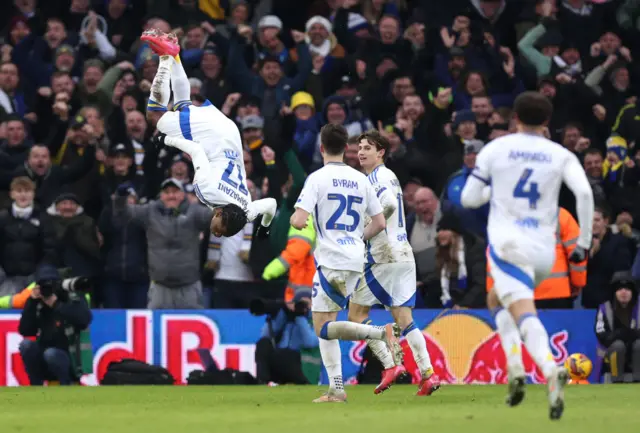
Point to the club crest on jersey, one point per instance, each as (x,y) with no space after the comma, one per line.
(231,154)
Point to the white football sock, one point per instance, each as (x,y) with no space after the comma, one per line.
(536,340)
(332,360)
(354,331)
(418,346)
(160,88)
(179,82)
(511,342)
(381,351)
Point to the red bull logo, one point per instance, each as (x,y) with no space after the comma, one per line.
(466,350)
(180,336)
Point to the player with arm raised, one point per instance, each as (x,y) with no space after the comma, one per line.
(210,138)
(390,272)
(339,198)
(526,171)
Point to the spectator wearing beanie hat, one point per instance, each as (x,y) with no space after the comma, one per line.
(215,86)
(77,235)
(270,84)
(327,54)
(618,330)
(336,111)
(307,127)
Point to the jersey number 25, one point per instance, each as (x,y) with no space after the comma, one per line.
(530,191)
(344,203)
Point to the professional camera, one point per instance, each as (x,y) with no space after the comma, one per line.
(75,284)
(271,308)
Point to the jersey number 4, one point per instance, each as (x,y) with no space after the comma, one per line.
(344,204)
(226,177)
(526,189)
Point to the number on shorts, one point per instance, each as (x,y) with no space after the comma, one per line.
(226,177)
(530,192)
(344,203)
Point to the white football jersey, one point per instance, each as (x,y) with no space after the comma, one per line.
(526,172)
(392,244)
(220,139)
(339,197)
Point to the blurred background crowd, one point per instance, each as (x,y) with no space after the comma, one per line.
(437,78)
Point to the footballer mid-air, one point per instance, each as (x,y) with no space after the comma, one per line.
(210,138)
(521,175)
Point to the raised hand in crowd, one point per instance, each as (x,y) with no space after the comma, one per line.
(297,36)
(207,27)
(230,102)
(610,61)
(448,40)
(509,64)
(599,112)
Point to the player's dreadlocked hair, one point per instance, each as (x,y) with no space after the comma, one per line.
(233,218)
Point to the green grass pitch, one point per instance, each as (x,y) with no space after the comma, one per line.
(460,409)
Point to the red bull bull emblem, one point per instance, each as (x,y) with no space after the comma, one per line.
(464,349)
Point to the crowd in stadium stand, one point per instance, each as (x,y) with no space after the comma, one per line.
(437,78)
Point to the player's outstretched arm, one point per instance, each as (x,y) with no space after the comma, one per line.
(576,179)
(299,218)
(265,207)
(475,193)
(377,224)
(191,148)
(388,202)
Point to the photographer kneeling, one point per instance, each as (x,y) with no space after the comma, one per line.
(54,316)
(288,351)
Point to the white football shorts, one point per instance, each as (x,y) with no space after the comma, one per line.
(332,288)
(389,284)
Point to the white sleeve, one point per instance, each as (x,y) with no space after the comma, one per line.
(265,207)
(477,189)
(373,204)
(107,52)
(576,179)
(387,200)
(308,196)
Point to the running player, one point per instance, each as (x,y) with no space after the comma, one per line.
(390,272)
(339,197)
(210,138)
(526,171)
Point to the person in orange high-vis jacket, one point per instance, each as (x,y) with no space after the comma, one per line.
(297,258)
(566,279)
(18,300)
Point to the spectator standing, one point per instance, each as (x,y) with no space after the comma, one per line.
(173,227)
(25,236)
(422,231)
(618,327)
(233,285)
(610,253)
(76,235)
(475,219)
(124,252)
(461,263)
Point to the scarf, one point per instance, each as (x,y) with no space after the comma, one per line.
(323,50)
(21,212)
(573,70)
(445,277)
